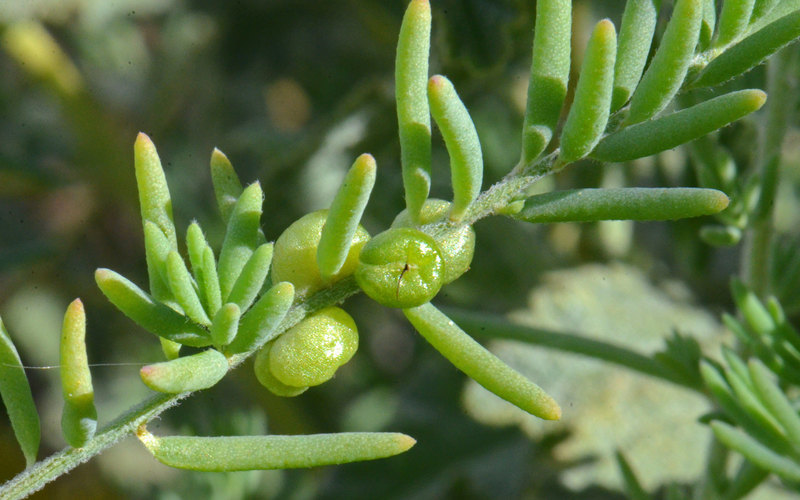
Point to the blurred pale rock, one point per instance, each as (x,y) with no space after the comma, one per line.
(606,407)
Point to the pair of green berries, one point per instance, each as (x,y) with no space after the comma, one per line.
(401,267)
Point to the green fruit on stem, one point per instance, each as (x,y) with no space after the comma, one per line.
(309,353)
(457,248)
(401,267)
(294,256)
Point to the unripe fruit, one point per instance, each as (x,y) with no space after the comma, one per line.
(309,353)
(401,267)
(457,249)
(295,254)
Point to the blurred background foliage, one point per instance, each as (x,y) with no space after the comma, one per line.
(292,91)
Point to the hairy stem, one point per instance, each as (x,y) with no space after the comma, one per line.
(41,473)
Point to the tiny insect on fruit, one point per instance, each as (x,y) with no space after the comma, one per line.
(401,267)
(457,248)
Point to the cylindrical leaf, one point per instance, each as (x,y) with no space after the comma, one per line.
(237,453)
(719,387)
(708,24)
(156,248)
(150,315)
(183,289)
(345,215)
(227,186)
(413,117)
(733,20)
(79,419)
(590,108)
(481,365)
(211,281)
(552,35)
(761,8)
(196,245)
(775,400)
(589,205)
(156,204)
(635,38)
(461,139)
(260,321)
(751,51)
(756,452)
(241,237)
(654,136)
(753,311)
(252,277)
(225,324)
(189,373)
(668,68)
(17,398)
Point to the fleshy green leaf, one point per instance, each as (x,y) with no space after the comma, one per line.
(156,204)
(79,419)
(589,205)
(260,321)
(747,399)
(156,248)
(183,289)
(196,245)
(413,117)
(189,373)
(241,237)
(719,387)
(666,132)
(344,216)
(213,294)
(761,8)
(708,24)
(150,315)
(461,139)
(754,312)
(633,488)
(775,400)
(750,52)
(552,35)
(237,453)
(481,365)
(733,20)
(635,38)
(17,398)
(590,108)
(756,452)
(225,324)
(227,186)
(156,209)
(170,349)
(252,277)
(668,68)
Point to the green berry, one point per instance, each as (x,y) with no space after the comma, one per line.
(401,267)
(309,353)
(294,257)
(457,249)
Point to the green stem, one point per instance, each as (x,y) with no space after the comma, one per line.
(36,477)
(757,249)
(497,327)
